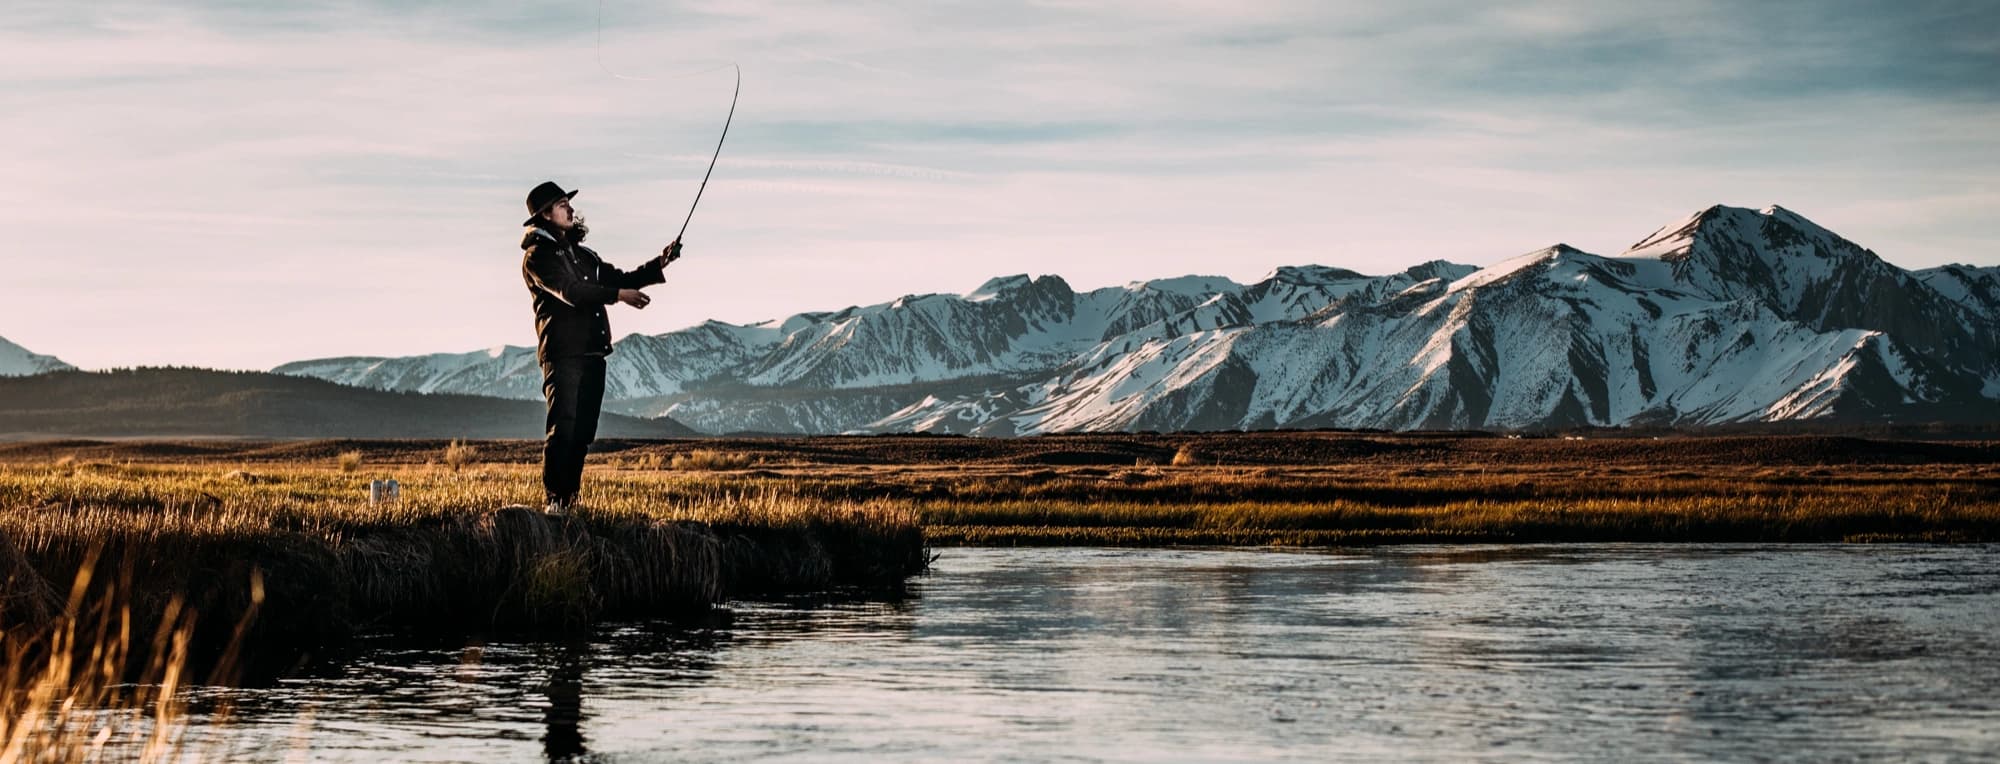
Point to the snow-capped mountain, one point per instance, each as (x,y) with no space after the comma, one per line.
(1727,315)
(1978,289)
(16,361)
(643,365)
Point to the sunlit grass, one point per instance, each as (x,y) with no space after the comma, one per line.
(459,454)
(451,554)
(96,681)
(704,459)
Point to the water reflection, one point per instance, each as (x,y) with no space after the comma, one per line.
(1054,654)
(564,739)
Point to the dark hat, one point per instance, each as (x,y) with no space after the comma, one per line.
(544,195)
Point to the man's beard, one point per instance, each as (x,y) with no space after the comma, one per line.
(577,230)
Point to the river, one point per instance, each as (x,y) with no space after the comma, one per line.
(1554,653)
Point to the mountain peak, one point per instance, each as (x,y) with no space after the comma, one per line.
(1192,286)
(1513,266)
(1737,232)
(17,361)
(1310,275)
(1019,286)
(1440,269)
(998,286)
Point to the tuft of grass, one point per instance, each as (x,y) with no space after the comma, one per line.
(459,454)
(349,461)
(85,685)
(706,460)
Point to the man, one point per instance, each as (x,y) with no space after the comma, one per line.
(572,287)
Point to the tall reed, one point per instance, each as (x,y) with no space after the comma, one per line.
(88,685)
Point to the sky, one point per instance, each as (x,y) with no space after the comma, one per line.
(238,184)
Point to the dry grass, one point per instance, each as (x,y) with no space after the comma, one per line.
(449,556)
(459,454)
(704,459)
(88,685)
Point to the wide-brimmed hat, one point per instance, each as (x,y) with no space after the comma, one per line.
(544,195)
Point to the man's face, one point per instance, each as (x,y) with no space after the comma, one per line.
(561,214)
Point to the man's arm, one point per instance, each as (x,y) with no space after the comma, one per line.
(644,276)
(546,271)
(653,272)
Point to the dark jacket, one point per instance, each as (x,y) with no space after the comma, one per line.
(571,287)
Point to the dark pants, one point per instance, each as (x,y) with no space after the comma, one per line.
(574,387)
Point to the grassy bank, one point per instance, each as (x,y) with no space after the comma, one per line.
(456,554)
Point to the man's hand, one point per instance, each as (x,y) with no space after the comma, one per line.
(634,298)
(671,253)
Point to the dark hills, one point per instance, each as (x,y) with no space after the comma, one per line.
(183,402)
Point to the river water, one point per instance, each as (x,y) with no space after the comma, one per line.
(1637,652)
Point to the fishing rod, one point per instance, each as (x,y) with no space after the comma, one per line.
(674,251)
(676,255)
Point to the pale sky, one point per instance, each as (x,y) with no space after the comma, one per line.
(241,184)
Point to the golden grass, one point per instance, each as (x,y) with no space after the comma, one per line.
(87,685)
(459,454)
(704,459)
(1874,514)
(450,555)
(1186,457)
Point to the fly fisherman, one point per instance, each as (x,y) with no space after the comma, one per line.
(572,287)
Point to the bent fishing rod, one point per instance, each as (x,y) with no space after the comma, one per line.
(674,251)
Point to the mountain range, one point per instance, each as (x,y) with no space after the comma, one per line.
(1725,316)
(1728,315)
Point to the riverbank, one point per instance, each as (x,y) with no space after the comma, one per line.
(671,526)
(461,552)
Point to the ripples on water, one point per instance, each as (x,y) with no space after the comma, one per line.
(1504,653)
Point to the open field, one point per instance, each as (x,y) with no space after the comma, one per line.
(1250,488)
